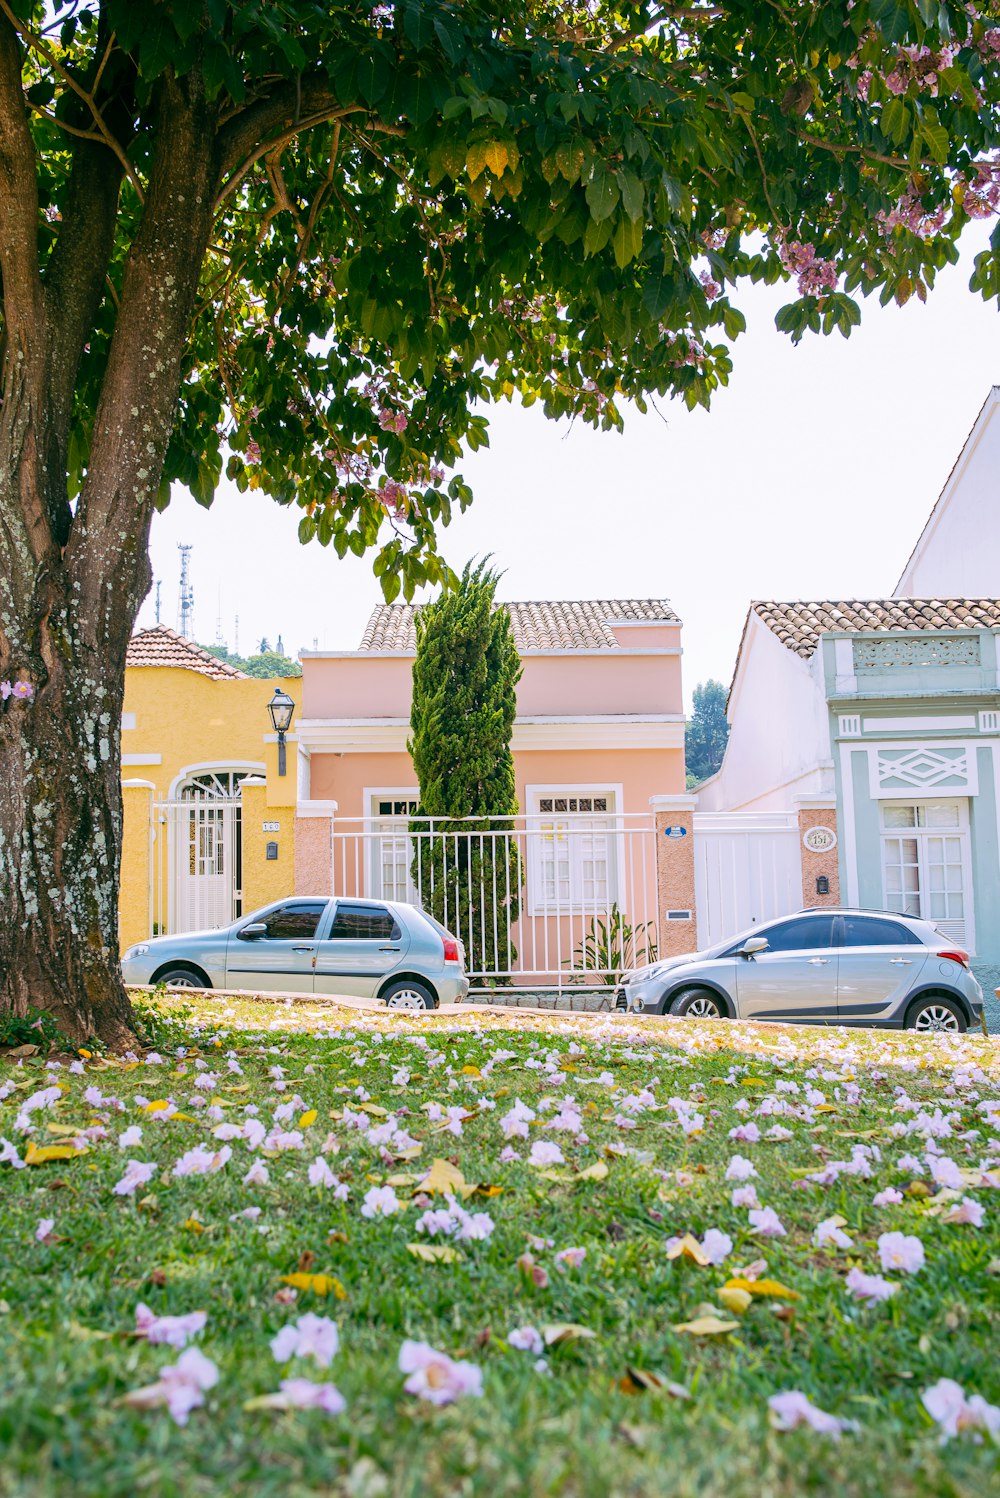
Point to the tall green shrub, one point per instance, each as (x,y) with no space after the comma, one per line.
(466,862)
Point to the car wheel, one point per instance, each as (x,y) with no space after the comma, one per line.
(407,994)
(936,1014)
(698,1003)
(181,977)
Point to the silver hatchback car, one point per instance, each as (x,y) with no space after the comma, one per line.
(828,967)
(373,949)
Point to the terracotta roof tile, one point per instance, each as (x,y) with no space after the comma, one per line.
(161,646)
(799,625)
(573,625)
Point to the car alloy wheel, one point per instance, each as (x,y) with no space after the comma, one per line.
(180,980)
(937,1017)
(407,998)
(702,1008)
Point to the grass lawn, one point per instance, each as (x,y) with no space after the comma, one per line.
(617,1400)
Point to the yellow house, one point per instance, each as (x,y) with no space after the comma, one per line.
(209,824)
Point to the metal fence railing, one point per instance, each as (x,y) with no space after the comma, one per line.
(554,898)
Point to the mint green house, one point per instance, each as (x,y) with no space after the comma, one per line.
(915,733)
(862,766)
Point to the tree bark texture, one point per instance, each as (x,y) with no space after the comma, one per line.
(72,578)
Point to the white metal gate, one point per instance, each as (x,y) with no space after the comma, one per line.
(748,868)
(586,885)
(196,861)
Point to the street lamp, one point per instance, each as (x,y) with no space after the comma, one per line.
(281,707)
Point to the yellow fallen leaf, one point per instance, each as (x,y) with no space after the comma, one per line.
(471,1071)
(434,1253)
(706,1326)
(309,1117)
(753,1082)
(735,1300)
(42,1154)
(565,1331)
(193,1225)
(374,1110)
(445,1179)
(319,1284)
(635,1380)
(401,1180)
(688,1247)
(157,1105)
(824,1108)
(596,1172)
(85,1054)
(762,1287)
(64,1131)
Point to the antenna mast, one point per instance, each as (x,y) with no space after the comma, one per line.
(158,587)
(185,607)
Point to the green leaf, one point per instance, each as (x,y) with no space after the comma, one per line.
(633,194)
(627,240)
(602,195)
(937,138)
(896,121)
(374,75)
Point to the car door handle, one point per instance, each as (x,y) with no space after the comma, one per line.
(900,961)
(303,949)
(390,949)
(819,961)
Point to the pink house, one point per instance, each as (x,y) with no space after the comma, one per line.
(598,750)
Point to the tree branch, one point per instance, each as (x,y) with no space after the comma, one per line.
(42,47)
(270,123)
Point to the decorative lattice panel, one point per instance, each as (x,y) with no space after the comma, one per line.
(923,769)
(904,651)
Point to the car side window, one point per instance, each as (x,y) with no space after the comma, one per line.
(864,931)
(291,921)
(805,934)
(363,923)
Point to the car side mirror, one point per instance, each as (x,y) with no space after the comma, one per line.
(754,945)
(253,931)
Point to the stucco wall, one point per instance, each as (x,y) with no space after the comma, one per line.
(641,772)
(958,555)
(779,744)
(187,718)
(380,686)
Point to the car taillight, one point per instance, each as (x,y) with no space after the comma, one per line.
(450,949)
(955,954)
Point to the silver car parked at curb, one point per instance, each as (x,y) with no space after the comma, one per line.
(827,967)
(372,949)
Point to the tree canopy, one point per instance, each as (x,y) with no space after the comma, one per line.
(424,206)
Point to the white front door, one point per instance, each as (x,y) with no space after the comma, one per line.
(927,864)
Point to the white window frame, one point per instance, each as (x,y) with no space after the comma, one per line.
(921,835)
(534,820)
(373,837)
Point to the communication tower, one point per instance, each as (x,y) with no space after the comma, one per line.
(185,603)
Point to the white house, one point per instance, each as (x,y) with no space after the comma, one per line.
(958,553)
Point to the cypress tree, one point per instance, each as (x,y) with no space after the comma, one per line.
(466,864)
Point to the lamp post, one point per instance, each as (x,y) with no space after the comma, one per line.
(281,707)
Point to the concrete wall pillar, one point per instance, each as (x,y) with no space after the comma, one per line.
(674,821)
(314,847)
(135,896)
(818,849)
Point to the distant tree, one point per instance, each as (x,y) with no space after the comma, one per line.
(707,732)
(266,664)
(269,663)
(464,703)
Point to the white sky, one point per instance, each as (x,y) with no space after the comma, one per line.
(811,477)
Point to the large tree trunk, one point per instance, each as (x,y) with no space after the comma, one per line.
(60,835)
(72,580)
